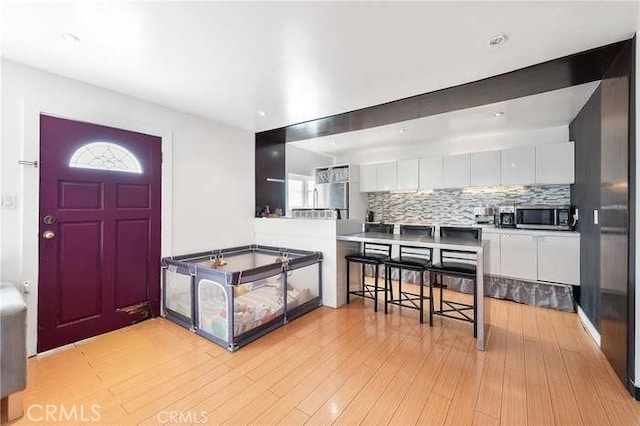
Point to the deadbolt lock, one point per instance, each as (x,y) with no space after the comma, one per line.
(49,219)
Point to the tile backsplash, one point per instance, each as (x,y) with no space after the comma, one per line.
(455,206)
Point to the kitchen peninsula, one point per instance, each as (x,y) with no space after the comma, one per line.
(316,235)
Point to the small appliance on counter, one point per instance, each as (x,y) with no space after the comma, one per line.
(544,216)
(505,217)
(370,216)
(484,215)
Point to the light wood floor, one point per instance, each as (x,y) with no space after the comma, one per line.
(344,366)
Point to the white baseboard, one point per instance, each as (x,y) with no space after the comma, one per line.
(591,329)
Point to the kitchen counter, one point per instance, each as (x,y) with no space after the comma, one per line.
(490,229)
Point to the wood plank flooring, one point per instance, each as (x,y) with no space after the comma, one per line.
(342,366)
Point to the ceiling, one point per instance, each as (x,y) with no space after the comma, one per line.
(549,109)
(296,61)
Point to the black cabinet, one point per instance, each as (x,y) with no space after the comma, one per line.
(270,170)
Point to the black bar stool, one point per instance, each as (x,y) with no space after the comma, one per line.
(372,254)
(412,259)
(456,263)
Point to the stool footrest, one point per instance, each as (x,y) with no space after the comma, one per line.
(456,307)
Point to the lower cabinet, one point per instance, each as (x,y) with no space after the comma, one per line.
(519,256)
(494,252)
(553,259)
(559,260)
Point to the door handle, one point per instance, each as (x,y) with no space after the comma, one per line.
(48,235)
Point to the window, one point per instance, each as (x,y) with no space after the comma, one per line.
(105,156)
(299,191)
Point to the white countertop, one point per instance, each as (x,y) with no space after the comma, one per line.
(491,229)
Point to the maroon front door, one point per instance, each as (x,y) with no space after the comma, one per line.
(99,263)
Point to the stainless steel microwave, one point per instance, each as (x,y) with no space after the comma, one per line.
(552,217)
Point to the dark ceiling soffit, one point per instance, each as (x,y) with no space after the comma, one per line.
(572,70)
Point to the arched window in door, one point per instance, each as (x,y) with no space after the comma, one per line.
(105,156)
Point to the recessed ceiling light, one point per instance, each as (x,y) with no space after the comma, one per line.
(66,36)
(402,130)
(334,143)
(498,40)
(498,113)
(262,113)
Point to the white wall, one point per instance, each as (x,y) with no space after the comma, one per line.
(208,168)
(302,162)
(459,146)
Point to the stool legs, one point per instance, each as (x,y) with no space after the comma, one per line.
(421,297)
(387,284)
(430,301)
(375,290)
(441,298)
(348,279)
(400,287)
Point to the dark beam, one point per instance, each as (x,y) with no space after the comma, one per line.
(559,73)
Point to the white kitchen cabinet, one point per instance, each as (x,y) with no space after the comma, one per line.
(519,166)
(387,176)
(494,252)
(519,256)
(559,259)
(457,171)
(368,178)
(430,175)
(485,168)
(408,174)
(555,163)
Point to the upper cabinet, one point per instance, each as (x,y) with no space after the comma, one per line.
(528,165)
(368,178)
(519,166)
(431,176)
(408,174)
(387,176)
(555,163)
(378,177)
(457,171)
(485,168)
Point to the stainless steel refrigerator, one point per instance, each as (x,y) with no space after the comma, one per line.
(332,196)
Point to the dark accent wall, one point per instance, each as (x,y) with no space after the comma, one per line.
(631,325)
(585,131)
(616,285)
(270,167)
